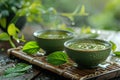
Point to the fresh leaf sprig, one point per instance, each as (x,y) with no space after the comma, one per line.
(114,47)
(19,69)
(11,34)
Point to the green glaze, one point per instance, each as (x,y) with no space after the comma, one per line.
(90,57)
(52,40)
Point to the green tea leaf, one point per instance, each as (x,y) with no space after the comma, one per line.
(113,46)
(68,15)
(64,27)
(57,58)
(18,70)
(117,53)
(83,12)
(31,47)
(12,75)
(76,10)
(85,30)
(3,22)
(4,36)
(22,38)
(25,68)
(12,30)
(20,67)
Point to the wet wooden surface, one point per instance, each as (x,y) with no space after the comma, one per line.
(37,73)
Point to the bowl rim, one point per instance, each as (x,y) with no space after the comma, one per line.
(101,40)
(35,34)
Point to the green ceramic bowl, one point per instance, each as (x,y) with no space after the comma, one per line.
(87,52)
(52,40)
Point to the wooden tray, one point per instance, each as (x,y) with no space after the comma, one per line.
(68,71)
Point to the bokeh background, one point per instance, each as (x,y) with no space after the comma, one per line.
(102,14)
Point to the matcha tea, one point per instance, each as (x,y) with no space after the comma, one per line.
(54,35)
(86,46)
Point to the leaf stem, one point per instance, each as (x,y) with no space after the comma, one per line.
(12,43)
(14,19)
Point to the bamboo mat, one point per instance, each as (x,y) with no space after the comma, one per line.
(67,70)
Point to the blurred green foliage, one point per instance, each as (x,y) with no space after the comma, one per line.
(17,8)
(53,17)
(28,8)
(103,14)
(109,18)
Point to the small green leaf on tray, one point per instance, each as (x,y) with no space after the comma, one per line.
(117,53)
(113,46)
(57,58)
(31,47)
